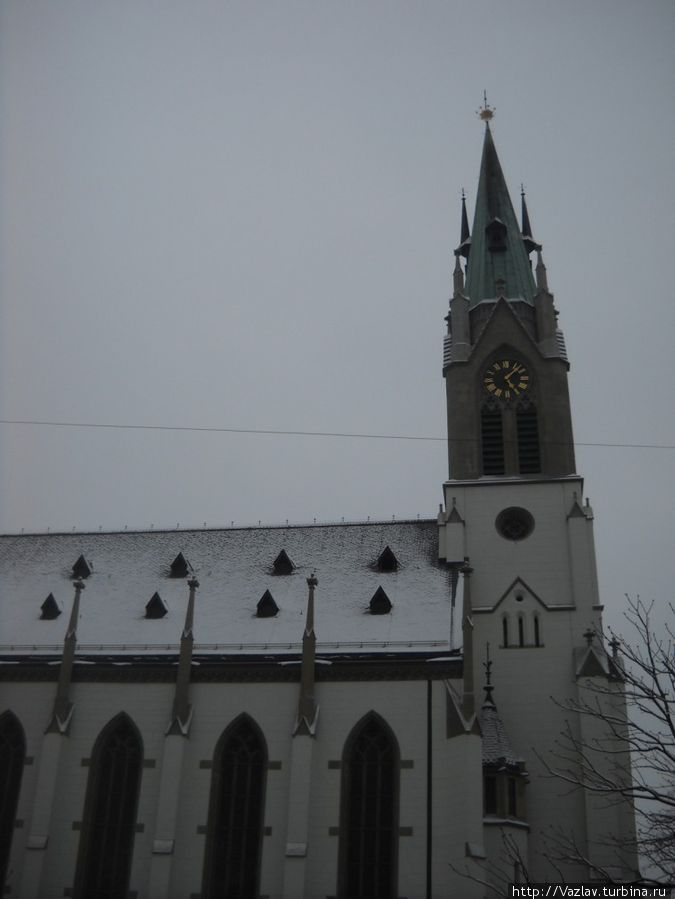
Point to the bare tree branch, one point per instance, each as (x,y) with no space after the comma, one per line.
(641,681)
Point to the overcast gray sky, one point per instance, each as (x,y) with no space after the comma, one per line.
(242,214)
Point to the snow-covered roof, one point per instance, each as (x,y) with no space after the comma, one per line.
(234,568)
(497,749)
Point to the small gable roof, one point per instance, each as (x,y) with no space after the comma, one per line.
(496,746)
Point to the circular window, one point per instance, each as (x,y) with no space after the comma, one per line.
(514,523)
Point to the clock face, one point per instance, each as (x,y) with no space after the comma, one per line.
(506,379)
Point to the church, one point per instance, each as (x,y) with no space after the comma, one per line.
(353,711)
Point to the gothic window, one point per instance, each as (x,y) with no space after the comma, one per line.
(512,797)
(527,431)
(12,756)
(492,439)
(537,632)
(236,809)
(107,841)
(521,631)
(505,630)
(489,794)
(369,820)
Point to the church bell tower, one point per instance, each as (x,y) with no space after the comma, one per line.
(505,362)
(515,519)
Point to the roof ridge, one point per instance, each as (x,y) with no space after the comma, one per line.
(220,528)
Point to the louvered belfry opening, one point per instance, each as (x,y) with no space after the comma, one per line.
(492,439)
(235,828)
(12,757)
(107,840)
(527,430)
(369,827)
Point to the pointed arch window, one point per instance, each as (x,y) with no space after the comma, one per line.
(236,813)
(490,794)
(527,432)
(107,841)
(369,820)
(492,439)
(12,758)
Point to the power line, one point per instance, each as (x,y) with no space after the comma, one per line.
(284,433)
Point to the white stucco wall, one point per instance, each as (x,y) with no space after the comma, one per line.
(456,794)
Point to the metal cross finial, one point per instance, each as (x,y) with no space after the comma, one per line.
(486,112)
(487,664)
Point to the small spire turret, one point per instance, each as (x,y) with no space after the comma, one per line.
(457,275)
(526,228)
(465,235)
(487,664)
(63,707)
(308,709)
(468,702)
(181,715)
(540,271)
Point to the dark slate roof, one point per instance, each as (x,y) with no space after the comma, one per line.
(497,749)
(234,568)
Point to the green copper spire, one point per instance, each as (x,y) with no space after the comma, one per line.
(498,263)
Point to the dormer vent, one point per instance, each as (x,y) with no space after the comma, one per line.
(283,564)
(380,604)
(267,607)
(180,567)
(156,607)
(50,608)
(82,569)
(387,561)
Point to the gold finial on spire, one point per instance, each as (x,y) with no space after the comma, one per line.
(486,112)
